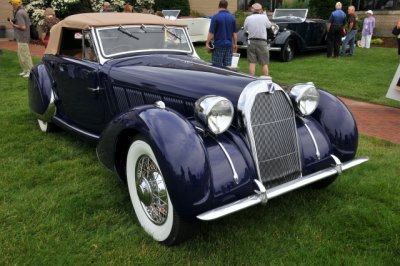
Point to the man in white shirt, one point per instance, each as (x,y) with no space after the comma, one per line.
(256,25)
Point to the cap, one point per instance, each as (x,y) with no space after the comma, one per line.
(15,2)
(369,12)
(256,7)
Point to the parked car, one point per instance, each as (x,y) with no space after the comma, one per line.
(192,141)
(197,27)
(292,33)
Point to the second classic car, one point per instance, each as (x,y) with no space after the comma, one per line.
(292,33)
(191,141)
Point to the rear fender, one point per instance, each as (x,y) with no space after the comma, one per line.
(179,150)
(40,92)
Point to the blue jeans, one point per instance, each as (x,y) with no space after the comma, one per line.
(350,40)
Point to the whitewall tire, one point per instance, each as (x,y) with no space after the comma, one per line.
(148,191)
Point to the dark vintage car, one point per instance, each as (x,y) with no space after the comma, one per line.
(291,33)
(192,141)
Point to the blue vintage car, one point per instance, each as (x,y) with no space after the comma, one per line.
(292,33)
(192,141)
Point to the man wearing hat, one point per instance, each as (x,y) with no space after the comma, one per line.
(21,24)
(367,30)
(256,26)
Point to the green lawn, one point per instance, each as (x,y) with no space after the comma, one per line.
(365,76)
(59,205)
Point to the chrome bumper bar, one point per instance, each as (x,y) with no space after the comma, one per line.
(263,195)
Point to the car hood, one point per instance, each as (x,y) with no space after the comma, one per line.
(177,76)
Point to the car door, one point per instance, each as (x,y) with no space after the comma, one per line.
(79,92)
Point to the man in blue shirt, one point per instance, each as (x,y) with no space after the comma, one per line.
(336,23)
(223,32)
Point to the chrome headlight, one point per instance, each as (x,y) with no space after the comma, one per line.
(275,29)
(306,97)
(215,112)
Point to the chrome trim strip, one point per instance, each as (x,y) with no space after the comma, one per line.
(90,135)
(317,152)
(276,191)
(275,49)
(235,175)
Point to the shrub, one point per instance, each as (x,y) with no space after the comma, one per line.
(296,4)
(377,41)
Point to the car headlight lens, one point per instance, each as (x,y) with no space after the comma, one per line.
(215,112)
(275,28)
(306,97)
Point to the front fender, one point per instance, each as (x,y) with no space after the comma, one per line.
(178,148)
(40,93)
(339,125)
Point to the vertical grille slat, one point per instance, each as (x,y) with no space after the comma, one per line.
(275,140)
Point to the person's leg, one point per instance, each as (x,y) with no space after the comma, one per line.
(345,43)
(227,61)
(26,59)
(252,69)
(217,57)
(352,41)
(252,57)
(368,41)
(337,41)
(20,59)
(330,40)
(265,70)
(398,46)
(364,41)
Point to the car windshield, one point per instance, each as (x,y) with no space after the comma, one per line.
(171,14)
(296,14)
(120,40)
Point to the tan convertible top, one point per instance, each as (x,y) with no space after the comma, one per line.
(86,20)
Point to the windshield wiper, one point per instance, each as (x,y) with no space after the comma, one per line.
(165,28)
(125,31)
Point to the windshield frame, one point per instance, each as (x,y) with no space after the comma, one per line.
(288,17)
(106,57)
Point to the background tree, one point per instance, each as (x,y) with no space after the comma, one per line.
(323,8)
(183,5)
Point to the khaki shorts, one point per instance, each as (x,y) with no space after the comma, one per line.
(258,52)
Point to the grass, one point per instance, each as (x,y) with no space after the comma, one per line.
(58,205)
(365,76)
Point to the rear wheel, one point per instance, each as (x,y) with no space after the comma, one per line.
(150,198)
(287,53)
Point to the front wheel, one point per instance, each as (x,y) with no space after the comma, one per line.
(150,198)
(287,53)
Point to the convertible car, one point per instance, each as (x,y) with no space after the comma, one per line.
(192,141)
(291,33)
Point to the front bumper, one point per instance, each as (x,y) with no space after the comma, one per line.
(271,49)
(263,195)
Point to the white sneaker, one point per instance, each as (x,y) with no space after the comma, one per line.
(22,73)
(26,75)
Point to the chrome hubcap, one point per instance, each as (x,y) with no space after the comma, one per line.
(151,190)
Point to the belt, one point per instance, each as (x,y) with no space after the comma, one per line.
(257,39)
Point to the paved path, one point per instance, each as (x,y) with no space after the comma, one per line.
(372,119)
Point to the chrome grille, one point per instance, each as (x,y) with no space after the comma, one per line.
(275,140)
